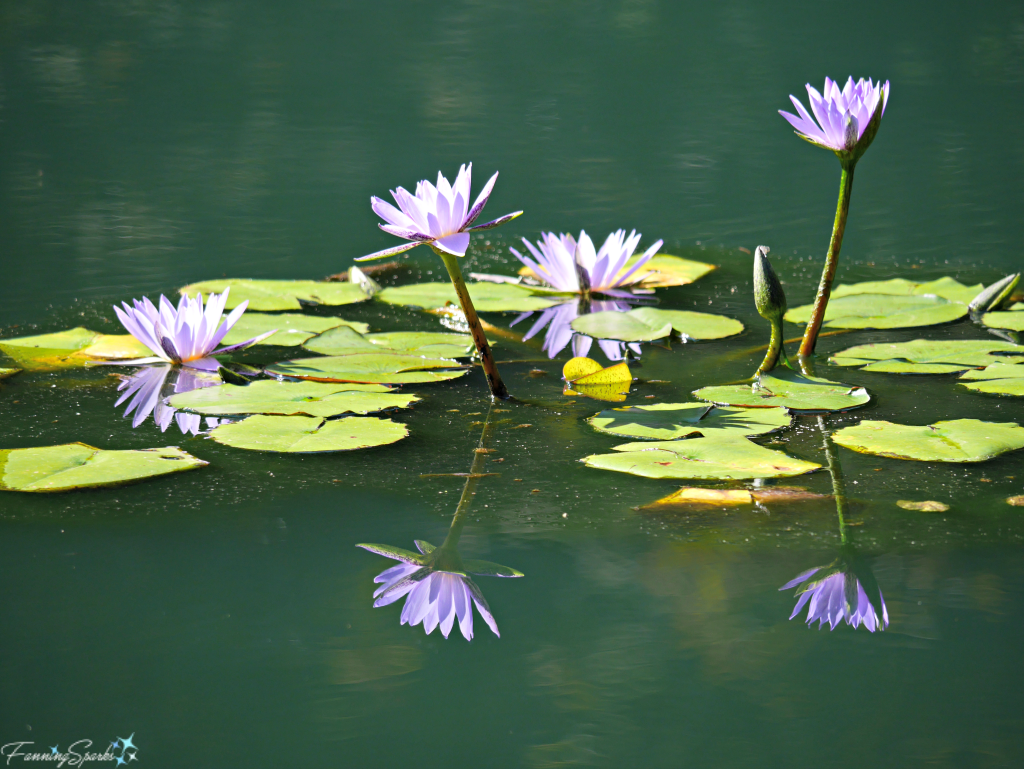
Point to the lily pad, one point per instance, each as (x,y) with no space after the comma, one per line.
(292,328)
(428,344)
(622,326)
(669,421)
(904,367)
(968,353)
(1012,319)
(883,311)
(786,388)
(6,372)
(48,350)
(610,393)
(586,371)
(946,288)
(370,368)
(114,347)
(487,297)
(315,399)
(270,295)
(78,466)
(996,379)
(693,325)
(671,271)
(958,440)
(718,458)
(303,435)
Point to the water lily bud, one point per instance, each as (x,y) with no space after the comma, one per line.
(992,297)
(769,297)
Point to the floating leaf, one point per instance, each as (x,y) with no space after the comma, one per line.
(882,311)
(903,367)
(927,506)
(315,399)
(78,466)
(697,496)
(1017,501)
(292,328)
(1012,319)
(302,435)
(958,440)
(270,295)
(579,367)
(996,379)
(371,368)
(788,389)
(49,350)
(611,393)
(428,344)
(115,347)
(487,297)
(946,288)
(718,458)
(671,271)
(960,352)
(622,326)
(669,421)
(6,372)
(694,325)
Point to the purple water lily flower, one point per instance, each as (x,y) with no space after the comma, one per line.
(438,587)
(843,116)
(187,335)
(835,593)
(437,215)
(574,266)
(148,386)
(558,320)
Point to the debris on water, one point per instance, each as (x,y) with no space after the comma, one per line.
(927,506)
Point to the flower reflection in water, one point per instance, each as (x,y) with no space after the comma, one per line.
(846,588)
(148,388)
(557,320)
(436,582)
(843,590)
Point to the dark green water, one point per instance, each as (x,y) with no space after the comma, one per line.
(225,617)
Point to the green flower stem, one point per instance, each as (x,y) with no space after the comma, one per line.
(838,485)
(497,386)
(831,262)
(776,349)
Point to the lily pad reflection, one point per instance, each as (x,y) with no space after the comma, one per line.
(150,386)
(558,322)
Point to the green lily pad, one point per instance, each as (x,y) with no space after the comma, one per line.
(903,367)
(370,368)
(6,372)
(315,399)
(786,388)
(883,311)
(968,353)
(270,295)
(669,421)
(304,435)
(487,297)
(958,440)
(946,288)
(48,350)
(623,326)
(428,344)
(695,325)
(718,458)
(997,379)
(292,329)
(78,466)
(1012,319)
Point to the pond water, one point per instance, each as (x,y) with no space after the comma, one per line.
(224,616)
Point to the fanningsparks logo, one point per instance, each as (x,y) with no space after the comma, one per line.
(120,751)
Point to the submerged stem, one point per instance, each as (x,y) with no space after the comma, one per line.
(475,470)
(831,262)
(497,386)
(838,485)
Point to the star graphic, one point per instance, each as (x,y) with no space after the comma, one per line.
(55,750)
(121,761)
(128,743)
(113,745)
(132,757)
